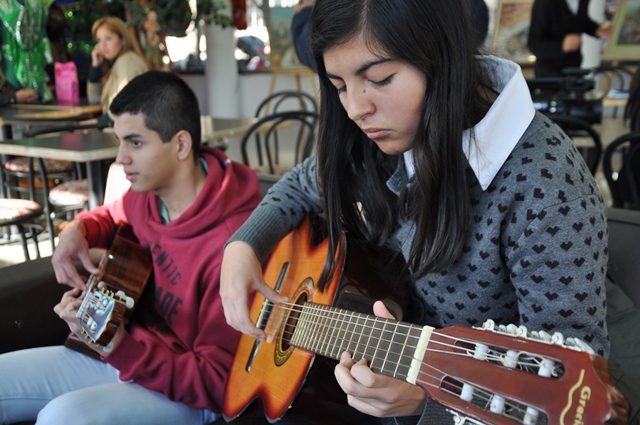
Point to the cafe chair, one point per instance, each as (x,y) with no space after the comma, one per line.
(286,100)
(70,197)
(580,131)
(47,171)
(297,129)
(631,173)
(283,101)
(18,171)
(613,79)
(20,213)
(621,165)
(18,177)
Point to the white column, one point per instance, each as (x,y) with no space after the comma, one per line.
(221,71)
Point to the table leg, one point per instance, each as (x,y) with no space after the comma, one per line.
(95,178)
(47,204)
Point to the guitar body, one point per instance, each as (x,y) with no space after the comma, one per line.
(499,375)
(280,374)
(125,269)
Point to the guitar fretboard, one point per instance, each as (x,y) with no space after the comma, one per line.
(388,345)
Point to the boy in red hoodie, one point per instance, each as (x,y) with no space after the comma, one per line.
(170,362)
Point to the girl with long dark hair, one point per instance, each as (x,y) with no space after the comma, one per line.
(436,153)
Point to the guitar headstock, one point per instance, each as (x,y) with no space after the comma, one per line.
(100,314)
(507,376)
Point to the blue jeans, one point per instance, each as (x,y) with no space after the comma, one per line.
(56,385)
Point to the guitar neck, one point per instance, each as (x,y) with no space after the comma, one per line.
(391,347)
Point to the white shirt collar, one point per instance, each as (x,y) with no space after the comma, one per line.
(573,6)
(502,127)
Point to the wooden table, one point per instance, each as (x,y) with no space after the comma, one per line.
(90,148)
(93,147)
(22,114)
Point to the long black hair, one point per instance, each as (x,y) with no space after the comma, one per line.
(435,36)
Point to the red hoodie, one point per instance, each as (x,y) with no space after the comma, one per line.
(183,346)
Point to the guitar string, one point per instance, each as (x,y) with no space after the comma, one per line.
(465,352)
(91,282)
(480,395)
(491,356)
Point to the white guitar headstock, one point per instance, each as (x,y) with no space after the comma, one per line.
(101,309)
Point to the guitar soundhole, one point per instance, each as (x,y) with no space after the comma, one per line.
(288,325)
(292,321)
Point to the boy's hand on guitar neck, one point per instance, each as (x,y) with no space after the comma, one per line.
(72,245)
(241,275)
(67,309)
(375,394)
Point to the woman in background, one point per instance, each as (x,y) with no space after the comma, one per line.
(113,64)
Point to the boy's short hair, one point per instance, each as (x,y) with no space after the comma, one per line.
(167,102)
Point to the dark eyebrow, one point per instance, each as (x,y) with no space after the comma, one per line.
(362,69)
(131,136)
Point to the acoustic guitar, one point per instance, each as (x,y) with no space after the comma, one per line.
(503,375)
(125,269)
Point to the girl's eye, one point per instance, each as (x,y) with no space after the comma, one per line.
(383,82)
(342,89)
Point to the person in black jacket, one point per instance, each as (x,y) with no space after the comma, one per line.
(555,34)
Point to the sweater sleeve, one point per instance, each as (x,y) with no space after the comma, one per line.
(102,222)
(125,69)
(591,27)
(558,268)
(284,207)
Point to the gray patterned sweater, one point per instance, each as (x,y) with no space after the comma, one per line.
(536,252)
